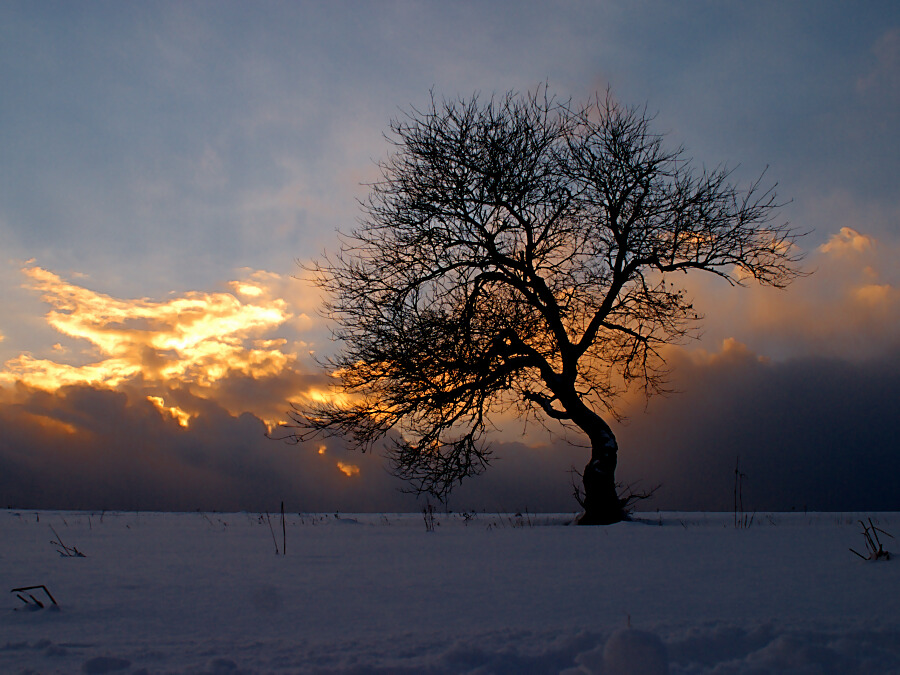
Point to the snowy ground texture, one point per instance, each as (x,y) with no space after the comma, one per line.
(670,593)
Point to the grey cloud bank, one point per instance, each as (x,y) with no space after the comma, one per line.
(817,434)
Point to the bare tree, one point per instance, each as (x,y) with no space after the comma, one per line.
(519,253)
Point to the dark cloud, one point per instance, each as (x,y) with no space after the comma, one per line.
(88,448)
(522,476)
(813,433)
(267,396)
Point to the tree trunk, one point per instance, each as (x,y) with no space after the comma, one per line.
(602,505)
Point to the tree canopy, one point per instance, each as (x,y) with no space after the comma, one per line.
(520,252)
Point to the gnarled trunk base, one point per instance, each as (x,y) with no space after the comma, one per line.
(602,505)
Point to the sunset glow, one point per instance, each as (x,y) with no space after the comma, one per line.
(845,241)
(183,418)
(327,396)
(197,338)
(348,470)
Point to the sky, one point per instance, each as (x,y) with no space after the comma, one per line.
(165,168)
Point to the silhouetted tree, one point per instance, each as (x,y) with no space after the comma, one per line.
(520,253)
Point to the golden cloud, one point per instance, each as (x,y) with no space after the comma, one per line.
(348,470)
(846,241)
(876,294)
(183,418)
(849,307)
(250,290)
(730,351)
(220,343)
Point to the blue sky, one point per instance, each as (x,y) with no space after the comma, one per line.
(155,150)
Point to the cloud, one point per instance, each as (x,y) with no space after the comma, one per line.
(800,384)
(848,307)
(348,470)
(243,348)
(83,447)
(195,337)
(883,79)
(183,418)
(169,406)
(846,241)
(815,433)
(812,432)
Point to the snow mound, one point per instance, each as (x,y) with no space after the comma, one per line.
(626,652)
(99,665)
(634,652)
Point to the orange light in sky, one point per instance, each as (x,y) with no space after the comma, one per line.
(196,338)
(323,396)
(50,423)
(250,290)
(348,470)
(847,240)
(183,418)
(50,375)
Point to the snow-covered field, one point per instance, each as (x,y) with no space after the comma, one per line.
(671,592)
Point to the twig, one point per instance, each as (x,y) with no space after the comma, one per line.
(63,550)
(740,517)
(873,543)
(283,532)
(428,514)
(34,600)
(577,492)
(272,530)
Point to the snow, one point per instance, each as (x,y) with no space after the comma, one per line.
(680,593)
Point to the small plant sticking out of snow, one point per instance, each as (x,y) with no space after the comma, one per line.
(519,520)
(428,514)
(31,602)
(741,519)
(873,544)
(268,520)
(63,550)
